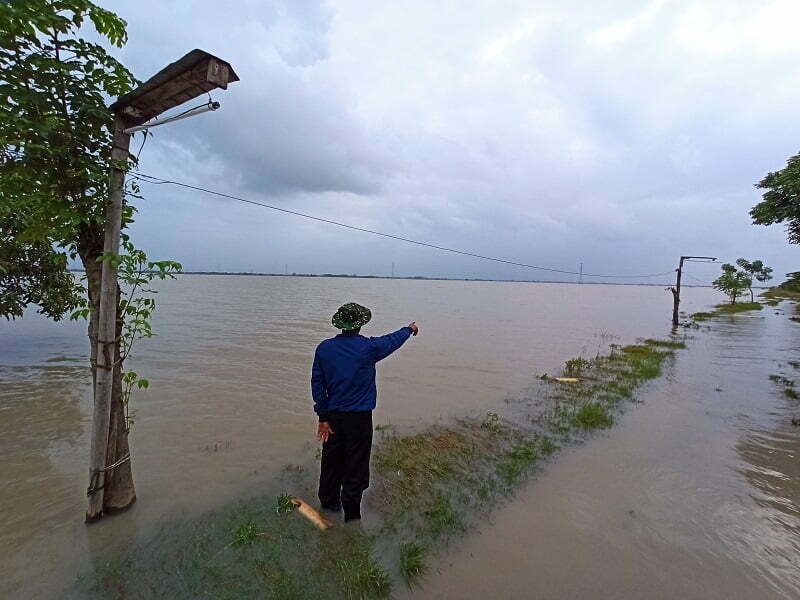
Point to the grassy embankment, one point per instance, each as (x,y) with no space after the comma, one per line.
(727,309)
(428,487)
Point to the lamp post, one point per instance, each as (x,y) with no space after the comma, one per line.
(197,73)
(676,291)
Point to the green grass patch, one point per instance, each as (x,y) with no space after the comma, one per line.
(359,573)
(781,293)
(593,415)
(517,461)
(245,533)
(671,344)
(702,316)
(739,307)
(726,309)
(575,367)
(412,562)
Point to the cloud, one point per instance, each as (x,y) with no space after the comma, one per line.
(619,133)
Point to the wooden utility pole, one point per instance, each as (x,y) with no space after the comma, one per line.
(676,291)
(107,322)
(195,74)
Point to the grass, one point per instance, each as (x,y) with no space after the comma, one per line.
(412,562)
(575,367)
(781,293)
(702,316)
(359,573)
(731,309)
(726,309)
(245,533)
(440,516)
(593,415)
(428,488)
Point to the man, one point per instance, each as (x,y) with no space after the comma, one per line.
(344,392)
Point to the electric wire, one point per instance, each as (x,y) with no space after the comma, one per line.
(159,181)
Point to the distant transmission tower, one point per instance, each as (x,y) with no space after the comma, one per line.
(392,270)
(580,276)
(286,268)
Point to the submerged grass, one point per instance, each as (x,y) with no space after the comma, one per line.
(727,309)
(412,562)
(781,293)
(428,488)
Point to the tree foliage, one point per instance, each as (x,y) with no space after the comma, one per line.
(781,201)
(792,282)
(33,273)
(732,282)
(755,270)
(55,129)
(55,148)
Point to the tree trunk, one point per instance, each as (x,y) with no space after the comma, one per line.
(118,489)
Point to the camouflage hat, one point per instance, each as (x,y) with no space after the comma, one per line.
(351,316)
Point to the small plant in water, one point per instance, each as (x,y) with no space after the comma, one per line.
(360,574)
(492,422)
(441,518)
(593,415)
(245,533)
(284,504)
(412,562)
(575,366)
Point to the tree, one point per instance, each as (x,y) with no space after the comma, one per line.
(31,272)
(732,282)
(781,201)
(55,142)
(792,282)
(755,270)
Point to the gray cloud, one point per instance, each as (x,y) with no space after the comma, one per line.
(618,133)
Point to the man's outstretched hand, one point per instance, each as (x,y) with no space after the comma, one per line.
(414,328)
(324,431)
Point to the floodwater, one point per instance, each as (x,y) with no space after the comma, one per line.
(694,494)
(229,406)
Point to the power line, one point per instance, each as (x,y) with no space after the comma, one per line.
(157,181)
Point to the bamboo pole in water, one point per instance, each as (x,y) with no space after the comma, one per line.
(311,514)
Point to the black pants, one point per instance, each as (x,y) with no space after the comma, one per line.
(345,462)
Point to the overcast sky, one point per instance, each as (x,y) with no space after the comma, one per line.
(618,133)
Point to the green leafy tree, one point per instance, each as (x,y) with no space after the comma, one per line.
(792,282)
(755,270)
(781,201)
(55,143)
(732,282)
(32,272)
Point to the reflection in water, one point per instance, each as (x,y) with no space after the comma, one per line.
(42,441)
(773,468)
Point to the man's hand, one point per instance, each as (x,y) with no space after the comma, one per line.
(324,431)
(414,328)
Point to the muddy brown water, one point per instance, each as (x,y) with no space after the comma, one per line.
(229,407)
(693,494)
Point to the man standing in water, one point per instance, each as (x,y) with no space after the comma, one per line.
(344,392)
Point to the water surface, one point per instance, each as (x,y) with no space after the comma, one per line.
(694,494)
(229,402)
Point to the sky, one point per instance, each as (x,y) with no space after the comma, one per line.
(620,134)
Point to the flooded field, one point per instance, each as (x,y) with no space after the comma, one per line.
(694,494)
(229,407)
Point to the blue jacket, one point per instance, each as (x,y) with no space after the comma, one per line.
(343,375)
